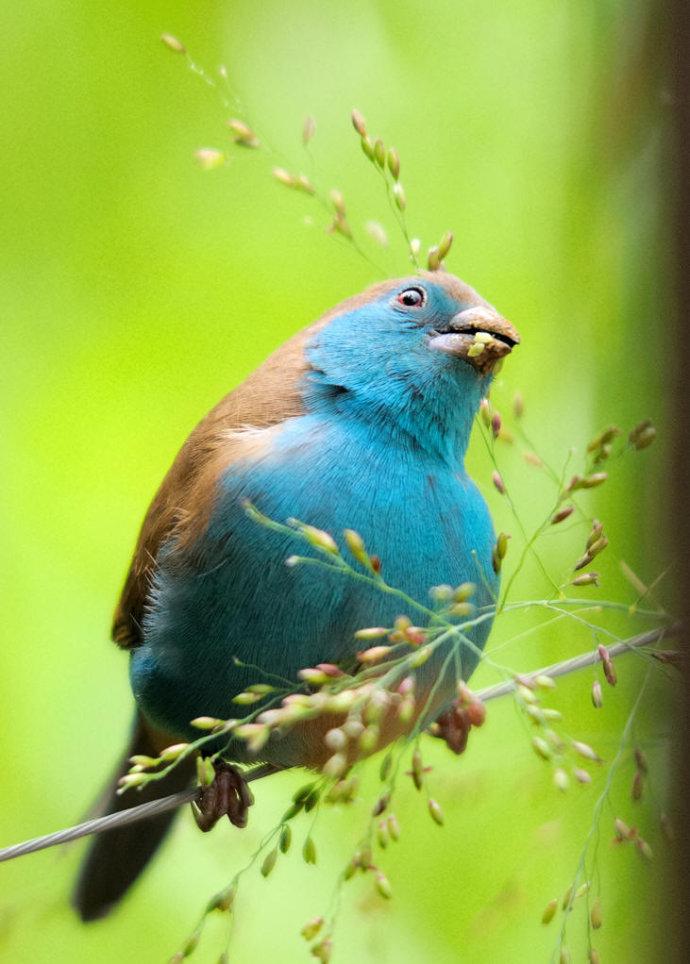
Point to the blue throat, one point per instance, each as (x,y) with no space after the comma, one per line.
(419,405)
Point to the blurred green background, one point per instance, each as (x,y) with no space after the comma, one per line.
(137,289)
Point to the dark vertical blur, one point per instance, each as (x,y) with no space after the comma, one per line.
(677,24)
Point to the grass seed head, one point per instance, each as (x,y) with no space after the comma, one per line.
(597,696)
(312,928)
(242,133)
(323,951)
(399,196)
(269,862)
(209,158)
(309,851)
(383,885)
(549,911)
(359,123)
(498,482)
(435,812)
(308,130)
(172,43)
(393,159)
(377,232)
(285,838)
(586,579)
(433,263)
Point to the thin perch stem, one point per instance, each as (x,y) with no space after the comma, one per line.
(146,810)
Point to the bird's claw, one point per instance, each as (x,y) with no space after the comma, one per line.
(227,795)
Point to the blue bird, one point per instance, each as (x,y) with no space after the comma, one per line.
(359,421)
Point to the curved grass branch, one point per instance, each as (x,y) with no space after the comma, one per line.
(145,811)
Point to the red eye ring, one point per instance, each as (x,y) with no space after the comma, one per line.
(411,298)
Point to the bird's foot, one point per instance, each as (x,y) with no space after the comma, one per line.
(227,795)
(455,725)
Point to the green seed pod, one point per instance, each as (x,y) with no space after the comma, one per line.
(393,827)
(312,928)
(302,183)
(561,779)
(582,776)
(593,480)
(359,123)
(586,751)
(420,657)
(309,851)
(246,699)
(444,245)
(541,748)
(207,722)
(393,159)
(385,768)
(323,950)
(285,838)
(380,152)
(382,834)
(417,770)
(172,43)
(209,158)
(645,438)
(369,738)
(383,885)
(367,147)
(140,760)
(269,862)
(174,751)
(280,174)
(399,196)
(433,262)
(595,914)
(338,201)
(549,912)
(300,795)
(335,765)
(435,812)
(586,579)
(597,699)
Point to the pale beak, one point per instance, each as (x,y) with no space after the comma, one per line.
(479,335)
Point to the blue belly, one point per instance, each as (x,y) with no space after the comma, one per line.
(234,597)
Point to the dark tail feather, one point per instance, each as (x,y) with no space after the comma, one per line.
(115,858)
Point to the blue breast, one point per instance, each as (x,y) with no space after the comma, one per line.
(236,597)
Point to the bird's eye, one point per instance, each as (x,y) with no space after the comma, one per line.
(411,297)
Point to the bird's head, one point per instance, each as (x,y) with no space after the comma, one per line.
(416,353)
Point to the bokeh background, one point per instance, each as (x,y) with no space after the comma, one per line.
(136,289)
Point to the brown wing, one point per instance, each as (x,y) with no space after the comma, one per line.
(183,502)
